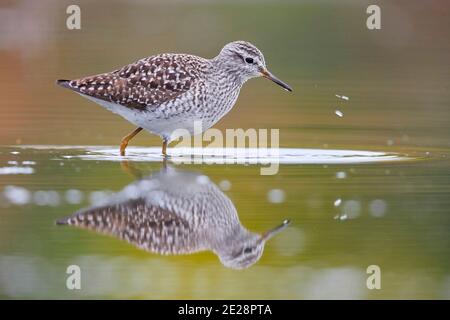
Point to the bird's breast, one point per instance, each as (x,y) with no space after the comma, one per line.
(220,99)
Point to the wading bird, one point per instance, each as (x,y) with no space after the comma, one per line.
(176,212)
(166,92)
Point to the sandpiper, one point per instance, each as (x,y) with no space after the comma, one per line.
(176,212)
(169,91)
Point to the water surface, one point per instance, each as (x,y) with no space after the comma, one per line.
(344,217)
(364,180)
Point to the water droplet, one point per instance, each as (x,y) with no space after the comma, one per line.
(339,113)
(342,97)
(53,198)
(351,209)
(337,202)
(43,198)
(74,196)
(343,217)
(377,208)
(341,175)
(276,196)
(40,198)
(17,195)
(225,185)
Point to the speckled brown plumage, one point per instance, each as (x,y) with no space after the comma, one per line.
(149,227)
(174,212)
(167,94)
(146,82)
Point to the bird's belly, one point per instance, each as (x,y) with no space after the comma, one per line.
(171,122)
(165,123)
(132,115)
(175,126)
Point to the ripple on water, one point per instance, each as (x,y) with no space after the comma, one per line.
(229,155)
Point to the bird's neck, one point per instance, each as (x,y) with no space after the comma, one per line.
(224,242)
(228,71)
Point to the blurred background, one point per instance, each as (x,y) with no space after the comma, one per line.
(396,79)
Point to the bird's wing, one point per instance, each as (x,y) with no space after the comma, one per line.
(147,82)
(144,225)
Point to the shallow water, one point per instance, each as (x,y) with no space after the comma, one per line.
(207,155)
(363,170)
(344,217)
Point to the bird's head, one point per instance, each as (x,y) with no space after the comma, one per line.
(246,61)
(248,250)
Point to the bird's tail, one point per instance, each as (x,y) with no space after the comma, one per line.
(63,83)
(62,221)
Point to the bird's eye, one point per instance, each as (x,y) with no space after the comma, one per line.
(247,250)
(249,60)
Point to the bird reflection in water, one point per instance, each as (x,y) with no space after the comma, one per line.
(176,212)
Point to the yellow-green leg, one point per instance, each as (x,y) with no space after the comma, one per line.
(126,139)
